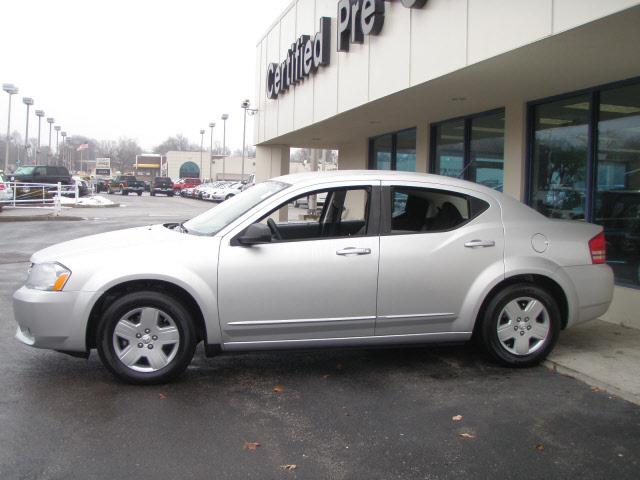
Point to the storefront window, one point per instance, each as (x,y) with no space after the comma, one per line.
(559,160)
(450,148)
(471,148)
(585,164)
(394,151)
(617,198)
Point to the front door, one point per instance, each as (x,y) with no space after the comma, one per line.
(438,248)
(316,282)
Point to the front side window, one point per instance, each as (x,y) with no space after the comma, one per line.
(217,218)
(471,148)
(321,214)
(421,210)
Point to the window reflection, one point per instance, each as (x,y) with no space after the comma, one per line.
(394,151)
(617,199)
(450,149)
(559,160)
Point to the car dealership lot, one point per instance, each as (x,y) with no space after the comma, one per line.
(334,414)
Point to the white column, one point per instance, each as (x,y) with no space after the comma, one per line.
(271,161)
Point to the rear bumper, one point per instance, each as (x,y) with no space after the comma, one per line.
(594,291)
(54,320)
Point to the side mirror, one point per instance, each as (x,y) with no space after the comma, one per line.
(255,234)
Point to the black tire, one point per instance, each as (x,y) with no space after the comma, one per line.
(140,299)
(139,194)
(153,194)
(123,191)
(170,194)
(109,191)
(228,196)
(488,334)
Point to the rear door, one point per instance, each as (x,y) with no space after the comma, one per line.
(436,244)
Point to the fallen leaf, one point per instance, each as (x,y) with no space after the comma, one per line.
(339,366)
(326,375)
(250,445)
(289,466)
(595,389)
(162,396)
(540,447)
(278,389)
(467,435)
(456,418)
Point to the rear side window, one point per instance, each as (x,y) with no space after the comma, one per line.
(421,210)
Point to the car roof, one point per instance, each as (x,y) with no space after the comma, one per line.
(382,175)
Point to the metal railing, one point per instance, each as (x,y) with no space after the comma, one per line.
(34,194)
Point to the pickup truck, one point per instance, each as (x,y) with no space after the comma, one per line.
(125,184)
(162,185)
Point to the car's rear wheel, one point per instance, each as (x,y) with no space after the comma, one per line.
(139,194)
(146,338)
(228,196)
(521,325)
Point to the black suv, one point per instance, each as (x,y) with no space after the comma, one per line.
(42,174)
(162,185)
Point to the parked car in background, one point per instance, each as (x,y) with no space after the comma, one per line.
(162,185)
(226,191)
(42,174)
(304,201)
(395,258)
(83,186)
(126,184)
(6,192)
(182,183)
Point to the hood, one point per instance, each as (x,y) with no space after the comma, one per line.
(119,245)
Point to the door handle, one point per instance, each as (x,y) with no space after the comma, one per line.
(480,244)
(347,252)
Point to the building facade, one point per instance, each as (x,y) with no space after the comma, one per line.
(537,98)
(182,164)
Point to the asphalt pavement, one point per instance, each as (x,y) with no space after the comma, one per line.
(424,413)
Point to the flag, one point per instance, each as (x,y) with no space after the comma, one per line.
(84,146)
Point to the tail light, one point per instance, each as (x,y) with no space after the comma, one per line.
(2,187)
(598,249)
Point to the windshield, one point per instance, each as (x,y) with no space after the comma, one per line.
(214,220)
(24,171)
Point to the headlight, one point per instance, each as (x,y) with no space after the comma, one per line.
(49,276)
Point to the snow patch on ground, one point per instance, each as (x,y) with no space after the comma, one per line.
(94,201)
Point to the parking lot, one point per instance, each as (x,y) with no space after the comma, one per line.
(443,412)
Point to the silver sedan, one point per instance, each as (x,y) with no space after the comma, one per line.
(390,258)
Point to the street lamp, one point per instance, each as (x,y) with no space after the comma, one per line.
(50,121)
(201,145)
(11,89)
(64,150)
(39,114)
(28,102)
(212,125)
(245,105)
(57,128)
(224,117)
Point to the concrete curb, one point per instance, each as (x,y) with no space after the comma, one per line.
(570,372)
(39,218)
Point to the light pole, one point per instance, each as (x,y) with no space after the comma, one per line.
(57,128)
(245,105)
(28,102)
(50,121)
(11,90)
(212,125)
(224,117)
(39,114)
(201,146)
(65,161)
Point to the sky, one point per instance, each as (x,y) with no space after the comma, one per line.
(144,69)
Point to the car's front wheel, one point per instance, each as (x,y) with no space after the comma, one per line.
(521,325)
(146,337)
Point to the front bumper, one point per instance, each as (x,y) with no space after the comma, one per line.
(55,320)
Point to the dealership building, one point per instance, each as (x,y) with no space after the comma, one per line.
(537,98)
